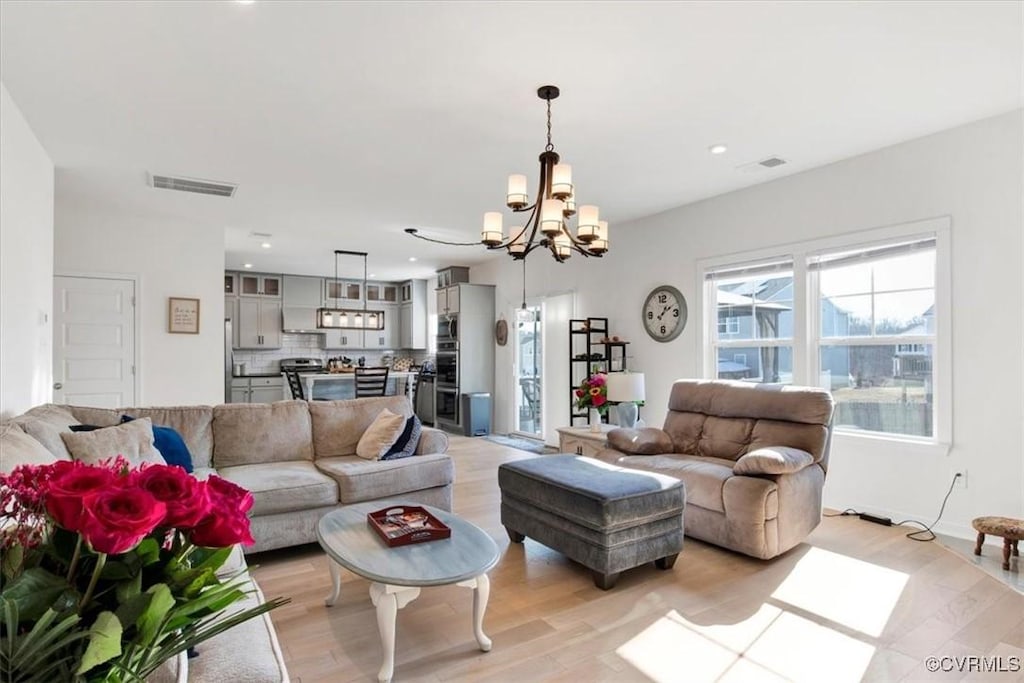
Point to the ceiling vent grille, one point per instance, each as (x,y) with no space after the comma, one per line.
(772,162)
(182,184)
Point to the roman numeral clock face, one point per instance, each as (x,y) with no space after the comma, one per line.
(664,313)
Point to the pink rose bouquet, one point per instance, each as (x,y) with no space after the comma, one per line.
(108,571)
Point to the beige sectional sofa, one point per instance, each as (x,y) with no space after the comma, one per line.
(753,458)
(297,458)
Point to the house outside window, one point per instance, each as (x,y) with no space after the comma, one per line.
(728,326)
(862,321)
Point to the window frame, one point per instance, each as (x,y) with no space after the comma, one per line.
(806,341)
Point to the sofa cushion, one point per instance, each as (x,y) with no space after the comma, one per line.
(18,448)
(194,423)
(45,424)
(807,405)
(283,486)
(254,433)
(405,445)
(338,425)
(644,441)
(779,460)
(774,433)
(704,477)
(432,441)
(360,480)
(170,444)
(381,435)
(133,441)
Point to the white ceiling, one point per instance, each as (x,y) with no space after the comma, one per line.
(346,122)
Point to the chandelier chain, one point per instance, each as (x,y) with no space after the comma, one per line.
(549,146)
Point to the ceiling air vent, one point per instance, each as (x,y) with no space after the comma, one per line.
(166,182)
(772,162)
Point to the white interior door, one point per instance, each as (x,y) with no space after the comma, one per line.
(94,341)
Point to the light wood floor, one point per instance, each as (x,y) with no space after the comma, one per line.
(856,602)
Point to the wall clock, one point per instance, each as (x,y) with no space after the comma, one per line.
(664,313)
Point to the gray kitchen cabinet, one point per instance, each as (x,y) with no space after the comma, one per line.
(389,337)
(258,285)
(257,389)
(343,339)
(259,323)
(413,315)
(448,300)
(383,292)
(302,291)
(342,292)
(231,313)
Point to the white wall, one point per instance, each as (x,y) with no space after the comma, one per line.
(26,264)
(971,173)
(171,258)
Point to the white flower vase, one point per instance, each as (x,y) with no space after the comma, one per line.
(595,420)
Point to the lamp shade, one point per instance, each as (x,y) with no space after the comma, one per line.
(625,386)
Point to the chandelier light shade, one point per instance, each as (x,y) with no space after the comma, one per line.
(547,216)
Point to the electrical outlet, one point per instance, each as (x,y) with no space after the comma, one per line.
(961,481)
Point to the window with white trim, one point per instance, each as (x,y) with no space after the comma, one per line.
(876,335)
(861,321)
(754,307)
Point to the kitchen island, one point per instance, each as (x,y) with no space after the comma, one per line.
(342,385)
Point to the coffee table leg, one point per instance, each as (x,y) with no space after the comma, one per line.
(335,582)
(388,600)
(481,586)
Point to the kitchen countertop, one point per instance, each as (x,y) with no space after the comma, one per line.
(256,374)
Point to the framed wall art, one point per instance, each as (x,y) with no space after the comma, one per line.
(182,315)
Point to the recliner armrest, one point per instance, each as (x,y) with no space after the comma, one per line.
(645,441)
(773,460)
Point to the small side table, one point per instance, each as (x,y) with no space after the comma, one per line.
(582,441)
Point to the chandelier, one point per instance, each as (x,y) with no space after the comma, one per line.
(546,221)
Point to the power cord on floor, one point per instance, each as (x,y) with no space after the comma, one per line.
(924,534)
(927,530)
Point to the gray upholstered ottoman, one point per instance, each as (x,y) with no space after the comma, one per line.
(605,517)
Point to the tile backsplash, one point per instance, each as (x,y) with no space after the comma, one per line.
(308,346)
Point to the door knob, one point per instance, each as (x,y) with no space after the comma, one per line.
(58,386)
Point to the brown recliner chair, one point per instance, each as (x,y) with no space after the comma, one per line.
(753,458)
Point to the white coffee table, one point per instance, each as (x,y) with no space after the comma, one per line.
(397,574)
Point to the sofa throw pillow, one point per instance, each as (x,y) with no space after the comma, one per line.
(170,444)
(773,460)
(405,444)
(133,440)
(381,435)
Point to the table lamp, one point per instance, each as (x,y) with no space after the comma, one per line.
(626,388)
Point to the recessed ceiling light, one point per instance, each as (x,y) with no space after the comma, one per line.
(245,2)
(265,245)
(247,265)
(718,149)
(372,275)
(412,258)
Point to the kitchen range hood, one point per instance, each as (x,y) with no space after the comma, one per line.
(300,319)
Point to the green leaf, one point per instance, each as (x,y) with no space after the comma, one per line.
(116,571)
(12,560)
(215,560)
(202,579)
(34,591)
(132,610)
(151,619)
(148,551)
(128,589)
(42,654)
(104,642)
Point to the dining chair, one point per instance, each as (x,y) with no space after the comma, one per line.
(371,381)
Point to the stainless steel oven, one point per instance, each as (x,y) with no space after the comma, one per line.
(447,328)
(447,367)
(446,409)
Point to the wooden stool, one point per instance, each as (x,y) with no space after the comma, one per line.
(1009,529)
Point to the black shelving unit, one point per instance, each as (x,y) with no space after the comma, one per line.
(588,354)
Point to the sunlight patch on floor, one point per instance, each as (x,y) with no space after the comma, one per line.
(851,592)
(769,645)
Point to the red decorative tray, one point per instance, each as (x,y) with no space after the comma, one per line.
(406,524)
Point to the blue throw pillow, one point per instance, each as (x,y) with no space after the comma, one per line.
(170,444)
(407,441)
